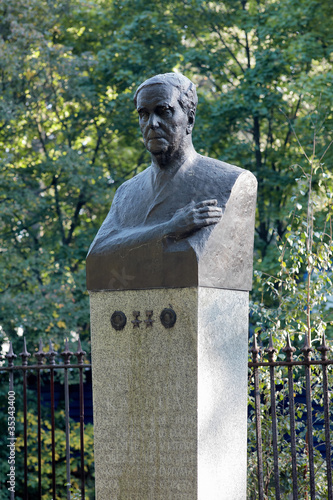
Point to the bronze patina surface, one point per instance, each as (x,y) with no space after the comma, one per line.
(187,220)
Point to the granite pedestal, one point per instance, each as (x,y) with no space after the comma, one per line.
(170,403)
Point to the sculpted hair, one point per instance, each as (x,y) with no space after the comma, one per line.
(188,98)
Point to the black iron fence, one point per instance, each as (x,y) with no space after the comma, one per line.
(31,393)
(289,406)
(289,424)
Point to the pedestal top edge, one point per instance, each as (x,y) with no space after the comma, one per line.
(167,288)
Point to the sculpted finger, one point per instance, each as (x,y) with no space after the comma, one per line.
(210,210)
(212,220)
(206,215)
(208,221)
(206,203)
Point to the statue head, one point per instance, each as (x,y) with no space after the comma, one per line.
(187,98)
(166,105)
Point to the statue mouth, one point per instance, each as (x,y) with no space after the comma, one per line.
(157,139)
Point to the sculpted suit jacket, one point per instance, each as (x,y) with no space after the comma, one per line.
(131,250)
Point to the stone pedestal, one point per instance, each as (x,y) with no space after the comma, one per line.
(170,403)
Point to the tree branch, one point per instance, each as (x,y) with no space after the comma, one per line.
(292,119)
(18,285)
(80,203)
(217,31)
(98,143)
(58,209)
(247,48)
(42,138)
(63,123)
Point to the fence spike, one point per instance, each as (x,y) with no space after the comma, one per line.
(323,348)
(289,349)
(10,355)
(270,349)
(306,349)
(66,354)
(80,353)
(255,349)
(51,354)
(40,354)
(24,354)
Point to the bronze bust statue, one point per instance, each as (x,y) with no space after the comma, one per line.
(187,220)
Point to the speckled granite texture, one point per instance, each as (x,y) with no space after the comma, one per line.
(170,403)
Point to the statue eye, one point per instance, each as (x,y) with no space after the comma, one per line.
(164,111)
(143,114)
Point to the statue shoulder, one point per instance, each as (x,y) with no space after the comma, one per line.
(222,171)
(222,166)
(136,180)
(133,184)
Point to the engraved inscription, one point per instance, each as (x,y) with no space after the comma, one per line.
(148,404)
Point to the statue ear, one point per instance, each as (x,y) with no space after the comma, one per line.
(190,121)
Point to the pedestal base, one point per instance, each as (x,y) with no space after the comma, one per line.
(170,403)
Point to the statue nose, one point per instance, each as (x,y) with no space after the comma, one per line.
(153,121)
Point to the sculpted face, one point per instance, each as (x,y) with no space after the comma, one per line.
(163,123)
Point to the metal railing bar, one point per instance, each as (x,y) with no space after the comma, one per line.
(11,388)
(292,430)
(80,355)
(324,349)
(259,436)
(271,352)
(327,435)
(45,367)
(255,353)
(68,452)
(11,356)
(40,355)
(309,431)
(53,433)
(24,357)
(289,350)
(82,435)
(66,354)
(25,436)
(51,355)
(275,437)
(251,364)
(39,437)
(307,350)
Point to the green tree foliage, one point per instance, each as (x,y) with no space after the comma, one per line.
(69,137)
